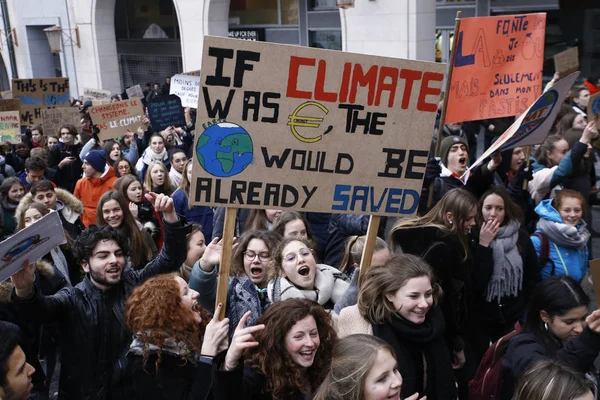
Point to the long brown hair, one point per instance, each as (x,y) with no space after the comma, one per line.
(154,313)
(459,202)
(511,211)
(140,251)
(237,260)
(288,216)
(271,359)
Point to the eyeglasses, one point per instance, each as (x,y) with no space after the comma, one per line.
(251,255)
(292,257)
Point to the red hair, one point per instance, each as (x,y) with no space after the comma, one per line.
(154,312)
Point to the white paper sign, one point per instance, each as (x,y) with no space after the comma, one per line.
(534,125)
(31,243)
(187,87)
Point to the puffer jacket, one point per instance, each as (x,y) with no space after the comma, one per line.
(89,190)
(94,336)
(69,207)
(567,261)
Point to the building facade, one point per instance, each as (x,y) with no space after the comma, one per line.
(120,43)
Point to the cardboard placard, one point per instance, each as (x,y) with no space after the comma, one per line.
(193,73)
(100,102)
(593,110)
(114,119)
(307,129)
(165,112)
(566,62)
(187,88)
(36,95)
(595,272)
(10,128)
(135,91)
(533,126)
(53,119)
(31,243)
(96,94)
(497,67)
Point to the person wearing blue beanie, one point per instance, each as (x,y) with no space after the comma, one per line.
(96,159)
(98,179)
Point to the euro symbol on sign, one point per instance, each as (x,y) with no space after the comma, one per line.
(296,120)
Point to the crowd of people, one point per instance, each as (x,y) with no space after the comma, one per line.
(486,293)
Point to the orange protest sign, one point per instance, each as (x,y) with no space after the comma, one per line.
(497,68)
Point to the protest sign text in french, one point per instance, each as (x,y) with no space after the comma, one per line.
(165,112)
(114,119)
(187,88)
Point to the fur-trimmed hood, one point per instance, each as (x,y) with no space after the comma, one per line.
(73,207)
(43,268)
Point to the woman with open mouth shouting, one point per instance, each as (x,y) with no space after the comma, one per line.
(174,340)
(298,276)
(398,303)
(285,356)
(250,265)
(363,367)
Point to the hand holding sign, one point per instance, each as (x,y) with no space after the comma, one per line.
(23,280)
(242,339)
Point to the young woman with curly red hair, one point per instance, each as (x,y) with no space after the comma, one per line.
(173,345)
(287,354)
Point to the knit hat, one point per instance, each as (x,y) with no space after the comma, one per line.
(447,143)
(97,159)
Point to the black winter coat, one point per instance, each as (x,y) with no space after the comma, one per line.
(94,335)
(176,379)
(243,383)
(459,278)
(67,176)
(527,348)
(511,309)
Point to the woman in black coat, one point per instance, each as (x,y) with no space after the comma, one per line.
(516,271)
(173,346)
(557,327)
(64,157)
(443,239)
(287,355)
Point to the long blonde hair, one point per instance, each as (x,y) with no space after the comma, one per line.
(166,186)
(459,202)
(378,281)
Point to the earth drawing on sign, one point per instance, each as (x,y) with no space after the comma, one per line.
(224,149)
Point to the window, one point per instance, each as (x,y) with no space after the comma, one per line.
(322,4)
(146,19)
(331,40)
(263,12)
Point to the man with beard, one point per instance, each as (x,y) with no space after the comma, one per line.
(91,316)
(15,372)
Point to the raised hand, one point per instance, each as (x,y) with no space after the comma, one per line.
(23,280)
(163,204)
(488,232)
(215,335)
(134,209)
(243,339)
(593,321)
(212,254)
(590,132)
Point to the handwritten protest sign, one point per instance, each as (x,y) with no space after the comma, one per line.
(187,88)
(39,94)
(54,118)
(566,62)
(498,67)
(96,94)
(31,243)
(593,111)
(114,119)
(534,125)
(314,130)
(165,112)
(135,91)
(10,127)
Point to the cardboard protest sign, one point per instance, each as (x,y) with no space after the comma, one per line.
(96,94)
(40,94)
(313,130)
(193,73)
(566,62)
(534,125)
(165,112)
(135,91)
(10,127)
(114,119)
(497,68)
(595,271)
(54,118)
(187,88)
(593,110)
(31,243)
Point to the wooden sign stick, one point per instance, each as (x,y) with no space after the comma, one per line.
(226,252)
(528,161)
(367,255)
(446,98)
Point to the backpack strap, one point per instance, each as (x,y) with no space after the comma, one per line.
(545,252)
